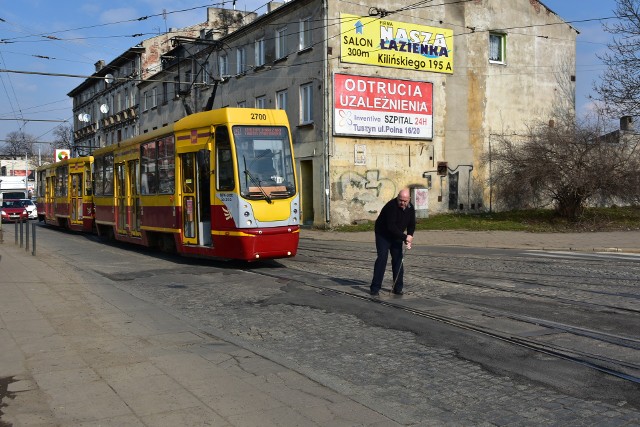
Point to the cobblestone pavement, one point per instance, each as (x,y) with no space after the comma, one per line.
(403,376)
(410,381)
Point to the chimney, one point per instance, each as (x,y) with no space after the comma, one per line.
(100,65)
(273,5)
(626,123)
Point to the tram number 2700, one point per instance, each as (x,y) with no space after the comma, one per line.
(258,116)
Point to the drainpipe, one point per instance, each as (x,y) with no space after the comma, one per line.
(326,112)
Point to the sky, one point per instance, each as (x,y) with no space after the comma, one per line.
(45,42)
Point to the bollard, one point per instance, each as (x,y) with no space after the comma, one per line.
(26,242)
(21,231)
(33,252)
(16,234)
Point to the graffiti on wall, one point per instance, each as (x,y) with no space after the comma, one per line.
(371,183)
(358,196)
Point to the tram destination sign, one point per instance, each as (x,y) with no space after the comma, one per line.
(378,107)
(375,41)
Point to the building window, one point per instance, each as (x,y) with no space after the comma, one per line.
(259,51)
(176,86)
(223,66)
(306,104)
(187,81)
(145,104)
(154,97)
(305,33)
(497,44)
(241,60)
(165,92)
(242,104)
(205,75)
(281,100)
(126,98)
(281,45)
(261,102)
(118,101)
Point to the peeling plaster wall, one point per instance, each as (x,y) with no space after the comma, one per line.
(479,99)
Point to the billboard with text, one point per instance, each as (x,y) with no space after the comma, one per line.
(379,107)
(384,43)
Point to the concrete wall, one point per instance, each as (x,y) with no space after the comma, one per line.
(479,99)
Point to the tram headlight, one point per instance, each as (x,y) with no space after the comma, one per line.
(249,222)
(246,213)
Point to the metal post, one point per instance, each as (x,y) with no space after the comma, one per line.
(26,242)
(33,252)
(21,232)
(16,233)
(490,179)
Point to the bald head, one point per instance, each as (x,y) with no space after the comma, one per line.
(403,198)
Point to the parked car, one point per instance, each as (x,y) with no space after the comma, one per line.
(12,209)
(30,207)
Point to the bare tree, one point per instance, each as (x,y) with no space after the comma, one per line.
(18,144)
(619,88)
(566,164)
(63,137)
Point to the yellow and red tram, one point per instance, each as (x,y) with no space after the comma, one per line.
(219,183)
(65,194)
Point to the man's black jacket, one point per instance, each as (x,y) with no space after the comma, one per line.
(393,221)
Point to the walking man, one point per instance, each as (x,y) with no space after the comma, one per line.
(396,217)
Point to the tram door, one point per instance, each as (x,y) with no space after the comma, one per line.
(196,198)
(50,192)
(122,223)
(189,200)
(76,198)
(134,191)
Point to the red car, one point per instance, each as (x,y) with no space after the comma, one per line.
(13,210)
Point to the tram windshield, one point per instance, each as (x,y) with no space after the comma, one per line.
(265,162)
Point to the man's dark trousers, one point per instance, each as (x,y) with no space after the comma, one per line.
(384,246)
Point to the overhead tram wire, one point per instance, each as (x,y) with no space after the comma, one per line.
(88,27)
(417,5)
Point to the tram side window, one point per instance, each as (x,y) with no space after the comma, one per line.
(61,181)
(148,168)
(166,165)
(42,180)
(108,175)
(98,179)
(87,180)
(224,160)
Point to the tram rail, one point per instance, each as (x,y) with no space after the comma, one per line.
(605,344)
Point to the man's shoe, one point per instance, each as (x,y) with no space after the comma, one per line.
(374,293)
(398,292)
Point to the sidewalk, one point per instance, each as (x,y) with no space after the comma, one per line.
(77,351)
(615,241)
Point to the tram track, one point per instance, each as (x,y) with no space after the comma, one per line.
(446,273)
(608,365)
(606,343)
(503,274)
(321,277)
(467,281)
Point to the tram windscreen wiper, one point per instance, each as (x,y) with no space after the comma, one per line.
(255,181)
